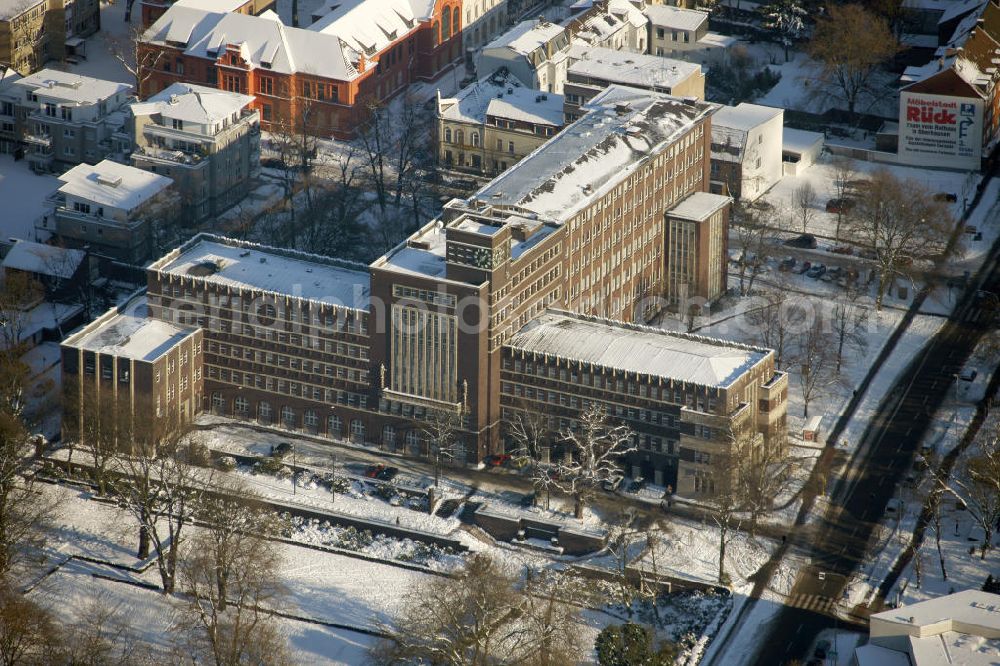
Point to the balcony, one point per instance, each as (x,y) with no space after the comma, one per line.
(44,140)
(172,156)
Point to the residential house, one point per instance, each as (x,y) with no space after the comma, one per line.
(536,52)
(746,150)
(593,69)
(60,271)
(62,118)
(613,24)
(113,210)
(32,32)
(154,9)
(204,139)
(493,123)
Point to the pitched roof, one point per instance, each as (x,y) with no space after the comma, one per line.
(43,259)
(262,40)
(69,87)
(368,26)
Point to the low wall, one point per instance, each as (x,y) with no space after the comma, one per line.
(506,527)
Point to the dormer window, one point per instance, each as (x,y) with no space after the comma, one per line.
(177,124)
(265,65)
(233,60)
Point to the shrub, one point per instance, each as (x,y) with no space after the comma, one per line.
(226,463)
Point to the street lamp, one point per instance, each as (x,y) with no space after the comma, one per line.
(294,465)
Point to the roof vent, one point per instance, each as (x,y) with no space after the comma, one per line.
(588,189)
(245,253)
(263,260)
(110,181)
(174,99)
(510,90)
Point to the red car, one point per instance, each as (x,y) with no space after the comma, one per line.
(497,460)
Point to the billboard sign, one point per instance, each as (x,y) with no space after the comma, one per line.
(940,130)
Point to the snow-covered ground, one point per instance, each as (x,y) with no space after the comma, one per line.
(23,194)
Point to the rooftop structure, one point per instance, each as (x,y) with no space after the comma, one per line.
(960,628)
(593,154)
(131,334)
(638,349)
(298,274)
(367,27)
(527,36)
(112,184)
(744,116)
(195,104)
(699,206)
(676,17)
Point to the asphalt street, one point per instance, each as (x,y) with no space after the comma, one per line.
(861,495)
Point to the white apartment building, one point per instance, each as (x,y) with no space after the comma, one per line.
(62,119)
(683,33)
(536,52)
(746,150)
(111,209)
(206,140)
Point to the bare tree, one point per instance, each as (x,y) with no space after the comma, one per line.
(762,472)
(157,487)
(530,432)
(440,431)
(104,635)
(28,632)
(900,224)
(977,484)
(725,515)
(595,450)
(775,321)
(753,235)
(848,317)
(477,618)
(850,43)
(785,18)
(817,361)
(844,172)
(139,59)
(935,501)
(230,571)
(805,202)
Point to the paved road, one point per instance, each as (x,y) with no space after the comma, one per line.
(860,497)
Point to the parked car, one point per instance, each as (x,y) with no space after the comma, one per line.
(281,450)
(387,473)
(611,485)
(862,184)
(816,271)
(822,649)
(497,460)
(464,183)
(840,205)
(787,264)
(528,500)
(842,249)
(519,462)
(636,485)
(804,268)
(969,375)
(950,197)
(807,241)
(373,471)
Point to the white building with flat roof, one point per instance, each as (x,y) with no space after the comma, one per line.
(746,150)
(961,628)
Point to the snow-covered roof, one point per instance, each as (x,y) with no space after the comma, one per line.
(744,116)
(959,7)
(633,69)
(960,628)
(367,25)
(44,259)
(717,40)
(665,16)
(698,206)
(526,36)
(504,96)
(194,104)
(112,184)
(298,274)
(130,334)
(799,141)
(11,8)
(263,41)
(70,88)
(422,254)
(44,316)
(623,127)
(639,349)
(599,23)
(876,655)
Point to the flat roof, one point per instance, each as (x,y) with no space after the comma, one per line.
(287,272)
(131,334)
(636,69)
(503,95)
(68,87)
(639,349)
(796,140)
(12,8)
(744,116)
(697,206)
(972,608)
(622,128)
(112,184)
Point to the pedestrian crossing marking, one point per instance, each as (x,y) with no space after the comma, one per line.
(816,603)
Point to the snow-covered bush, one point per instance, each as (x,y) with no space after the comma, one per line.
(226,463)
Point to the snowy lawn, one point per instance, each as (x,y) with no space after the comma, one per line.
(23,195)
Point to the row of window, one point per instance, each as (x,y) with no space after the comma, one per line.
(286,387)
